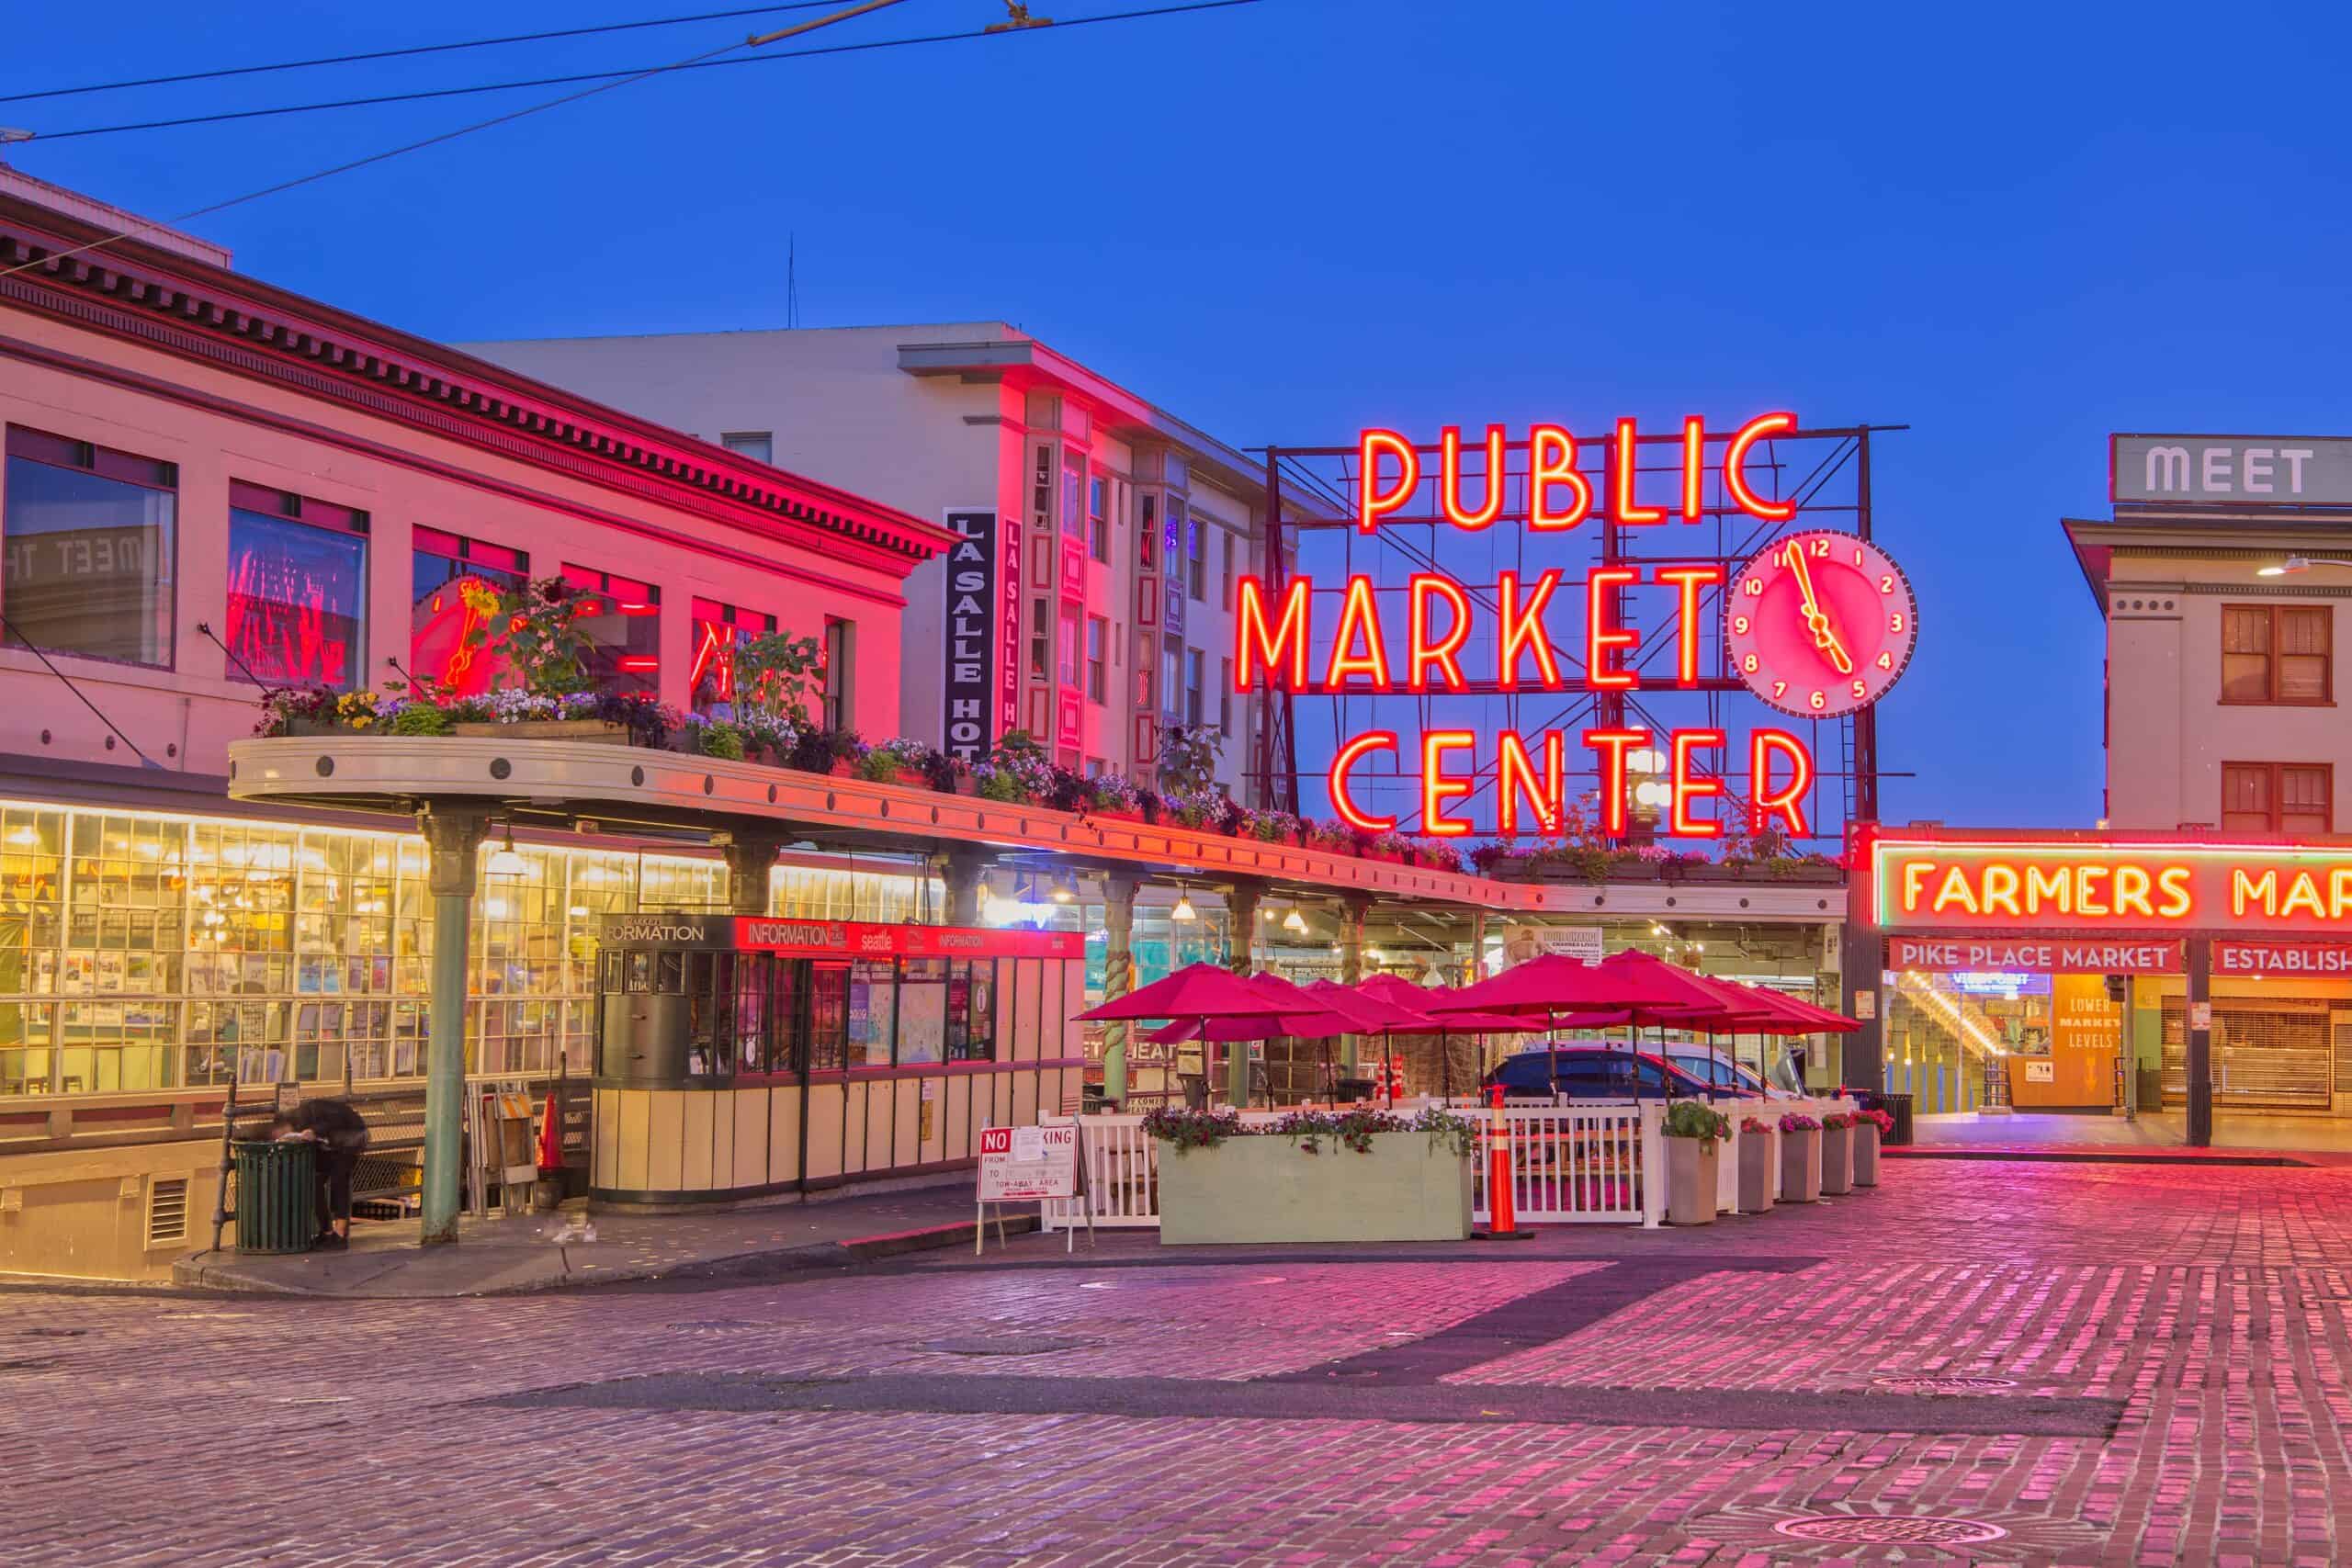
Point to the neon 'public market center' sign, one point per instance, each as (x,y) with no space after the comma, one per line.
(1817,625)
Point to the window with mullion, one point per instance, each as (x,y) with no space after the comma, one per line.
(2281,654)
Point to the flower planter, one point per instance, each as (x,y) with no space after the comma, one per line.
(1837,1160)
(1267,1187)
(1759,1172)
(1691,1181)
(1866,1154)
(603,731)
(1801,1165)
(1117,814)
(966,785)
(843,768)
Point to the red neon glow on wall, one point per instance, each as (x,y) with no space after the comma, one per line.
(1344,804)
(1449,489)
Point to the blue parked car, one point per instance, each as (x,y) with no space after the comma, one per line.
(1595,1071)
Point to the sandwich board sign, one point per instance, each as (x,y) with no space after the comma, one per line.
(1027,1165)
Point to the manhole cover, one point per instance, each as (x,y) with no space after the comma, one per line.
(1945,1384)
(1888,1530)
(1004,1345)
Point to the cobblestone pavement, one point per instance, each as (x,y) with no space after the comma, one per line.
(2150,1365)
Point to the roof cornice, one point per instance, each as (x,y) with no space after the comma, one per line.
(137,293)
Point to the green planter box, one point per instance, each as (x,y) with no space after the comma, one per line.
(1268,1189)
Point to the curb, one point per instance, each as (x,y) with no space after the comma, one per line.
(193,1274)
(2093,1157)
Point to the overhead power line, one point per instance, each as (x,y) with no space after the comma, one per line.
(513,115)
(422,94)
(413,50)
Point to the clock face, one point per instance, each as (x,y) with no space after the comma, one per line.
(1820,624)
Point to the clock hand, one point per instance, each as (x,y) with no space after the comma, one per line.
(1825,636)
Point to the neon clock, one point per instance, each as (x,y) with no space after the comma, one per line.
(1820,625)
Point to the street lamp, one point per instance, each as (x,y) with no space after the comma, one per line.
(2294,564)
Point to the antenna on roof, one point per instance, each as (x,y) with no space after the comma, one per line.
(10,136)
(792,280)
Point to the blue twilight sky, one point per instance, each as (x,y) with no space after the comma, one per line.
(2014,227)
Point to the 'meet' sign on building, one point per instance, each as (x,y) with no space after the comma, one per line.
(2231,470)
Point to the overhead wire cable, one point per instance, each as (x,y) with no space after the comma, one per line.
(409,50)
(424,93)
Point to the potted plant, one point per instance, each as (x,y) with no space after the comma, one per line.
(893,762)
(1311,1177)
(1117,800)
(1870,1126)
(298,710)
(1693,1133)
(1758,1171)
(1800,1158)
(1836,1154)
(535,632)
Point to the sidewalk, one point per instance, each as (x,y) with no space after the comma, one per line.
(506,1256)
(2152,1138)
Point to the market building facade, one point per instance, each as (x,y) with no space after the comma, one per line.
(1089,599)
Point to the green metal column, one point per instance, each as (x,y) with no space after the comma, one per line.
(1118,979)
(451,836)
(962,876)
(749,860)
(1241,933)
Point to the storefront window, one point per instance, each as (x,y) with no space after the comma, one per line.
(622,618)
(90,541)
(923,1011)
(828,1017)
(298,590)
(971,1012)
(452,578)
(718,629)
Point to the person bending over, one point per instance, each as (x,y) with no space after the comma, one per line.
(342,1137)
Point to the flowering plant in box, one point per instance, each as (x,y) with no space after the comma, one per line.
(1689,1119)
(1837,1120)
(1881,1120)
(1117,791)
(1750,1125)
(1798,1121)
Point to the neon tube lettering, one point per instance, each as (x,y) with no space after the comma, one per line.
(1422,587)
(1736,468)
(1255,648)
(1601,631)
(1623,509)
(1360,617)
(1449,490)
(1437,786)
(1522,629)
(1372,504)
(1552,460)
(1343,804)
(1515,778)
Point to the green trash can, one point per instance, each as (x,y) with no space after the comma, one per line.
(278,1196)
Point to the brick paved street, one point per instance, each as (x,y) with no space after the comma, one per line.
(2158,1363)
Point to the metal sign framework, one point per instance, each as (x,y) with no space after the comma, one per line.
(1311,500)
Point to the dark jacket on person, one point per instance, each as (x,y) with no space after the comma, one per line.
(335,1123)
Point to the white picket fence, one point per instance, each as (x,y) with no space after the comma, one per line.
(1591,1162)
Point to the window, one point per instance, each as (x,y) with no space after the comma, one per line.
(90,551)
(1193,685)
(1226,589)
(1038,635)
(1094,767)
(1098,518)
(757,445)
(298,590)
(1067,670)
(1196,565)
(971,1011)
(1171,678)
(1148,533)
(718,629)
(1096,633)
(1225,697)
(841,672)
(2278,798)
(1073,492)
(2277,653)
(872,986)
(453,580)
(623,620)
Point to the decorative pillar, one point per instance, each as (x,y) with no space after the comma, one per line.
(749,860)
(1477,945)
(1118,979)
(1351,916)
(452,837)
(962,874)
(2201,1042)
(1240,933)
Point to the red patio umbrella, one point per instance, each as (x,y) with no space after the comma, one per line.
(1198,991)
(1422,999)
(1553,986)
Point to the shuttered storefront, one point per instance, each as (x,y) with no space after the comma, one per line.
(2271,1055)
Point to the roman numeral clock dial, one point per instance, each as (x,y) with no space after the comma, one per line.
(1820,624)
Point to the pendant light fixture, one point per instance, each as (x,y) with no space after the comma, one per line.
(507,862)
(1183,910)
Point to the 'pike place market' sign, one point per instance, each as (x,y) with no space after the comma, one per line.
(1817,624)
(1920,887)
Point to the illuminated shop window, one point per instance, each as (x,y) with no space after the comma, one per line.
(718,630)
(90,541)
(452,578)
(623,620)
(298,590)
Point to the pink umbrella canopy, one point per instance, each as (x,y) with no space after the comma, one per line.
(1227,1030)
(1554,986)
(1794,1015)
(1690,999)
(1381,1016)
(1426,1001)
(1198,990)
